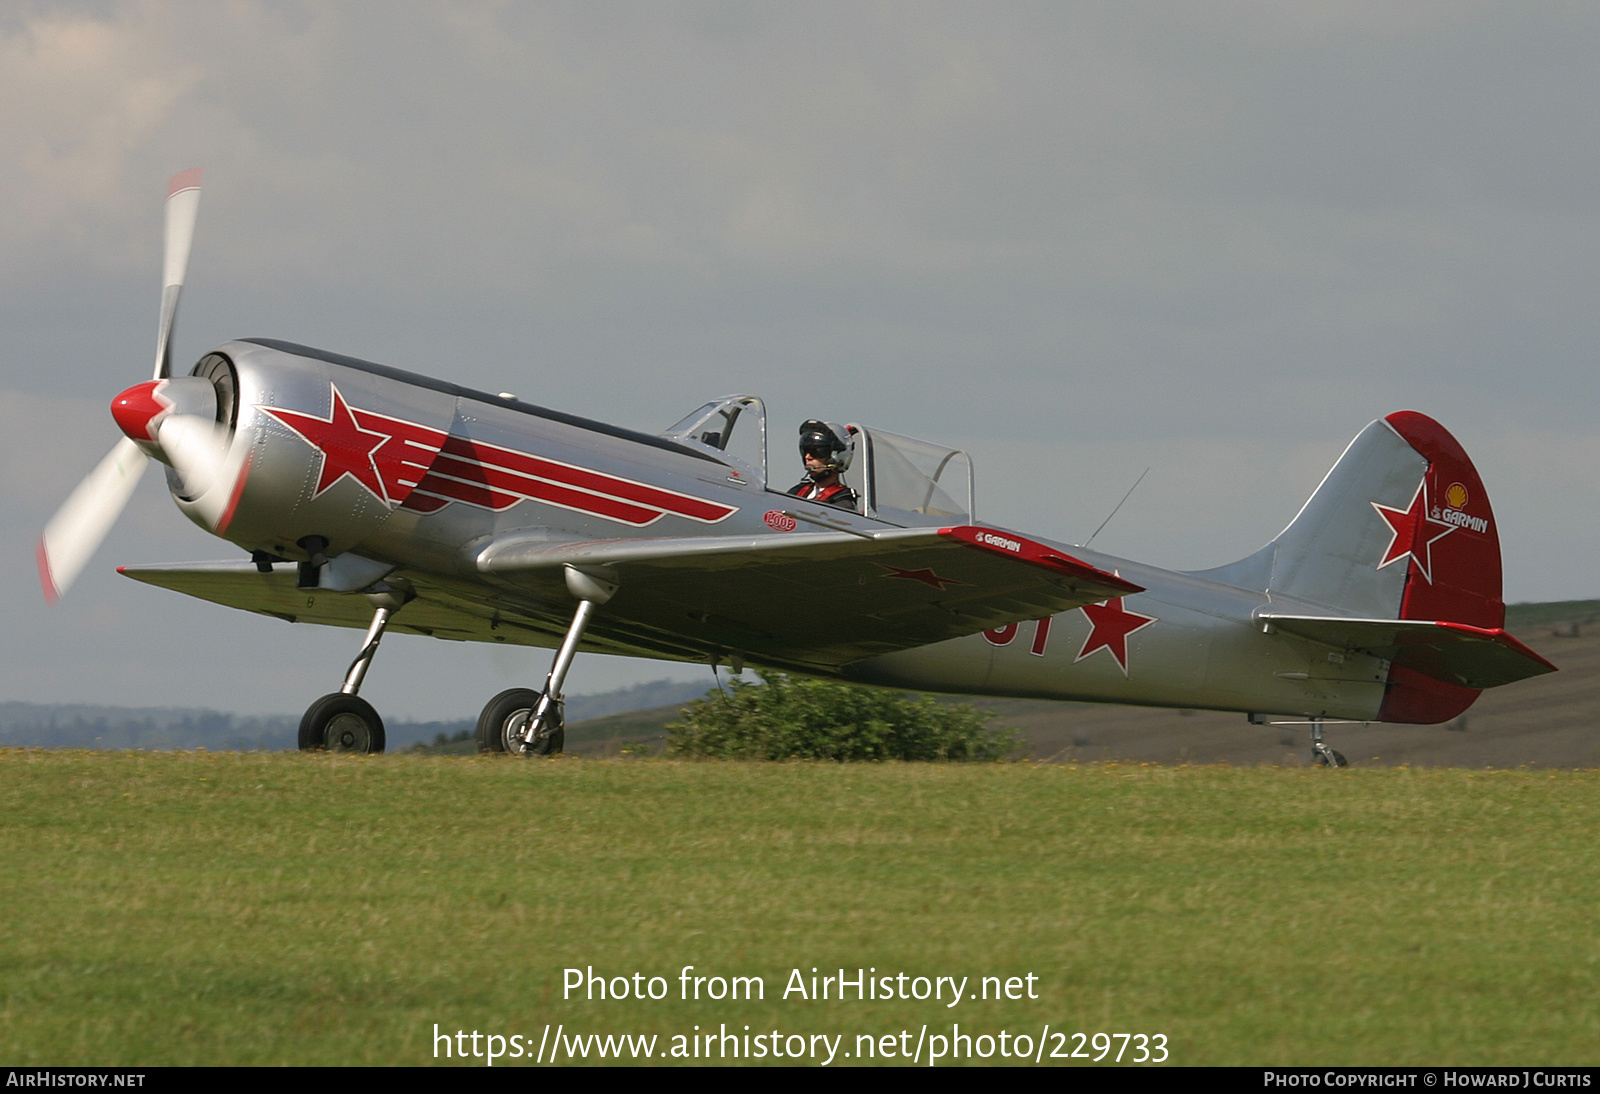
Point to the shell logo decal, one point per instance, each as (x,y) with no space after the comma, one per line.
(1456,498)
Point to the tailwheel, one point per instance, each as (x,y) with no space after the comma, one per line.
(1321,754)
(1329,757)
(341,723)
(504,725)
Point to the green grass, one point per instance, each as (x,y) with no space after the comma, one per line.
(188,908)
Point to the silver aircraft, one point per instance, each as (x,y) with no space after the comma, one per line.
(373,498)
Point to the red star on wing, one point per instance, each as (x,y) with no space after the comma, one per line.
(1110,624)
(346,448)
(1409,533)
(926,576)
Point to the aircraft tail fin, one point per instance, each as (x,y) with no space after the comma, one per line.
(1399,529)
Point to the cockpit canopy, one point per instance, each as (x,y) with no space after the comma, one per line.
(909,482)
(734,429)
(900,480)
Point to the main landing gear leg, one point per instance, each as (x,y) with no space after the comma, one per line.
(1321,754)
(531,723)
(343,721)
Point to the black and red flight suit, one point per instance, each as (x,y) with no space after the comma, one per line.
(836,493)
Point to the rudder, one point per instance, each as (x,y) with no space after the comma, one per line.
(1454,535)
(1453,570)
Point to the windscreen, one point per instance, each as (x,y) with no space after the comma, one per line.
(735,427)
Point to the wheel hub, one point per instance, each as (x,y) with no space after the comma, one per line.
(523,736)
(514,729)
(348,733)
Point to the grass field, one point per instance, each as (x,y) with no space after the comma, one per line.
(186,908)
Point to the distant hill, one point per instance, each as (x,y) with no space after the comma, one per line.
(79,725)
(657,693)
(1527,619)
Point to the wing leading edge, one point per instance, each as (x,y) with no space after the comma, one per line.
(810,600)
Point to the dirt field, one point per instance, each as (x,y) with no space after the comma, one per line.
(1549,721)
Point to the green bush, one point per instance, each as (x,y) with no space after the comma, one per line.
(792,718)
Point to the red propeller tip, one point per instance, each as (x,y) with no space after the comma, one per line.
(188,179)
(46,580)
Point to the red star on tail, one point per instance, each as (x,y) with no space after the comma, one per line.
(346,448)
(1109,626)
(1409,533)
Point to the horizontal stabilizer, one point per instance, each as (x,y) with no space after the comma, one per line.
(1456,653)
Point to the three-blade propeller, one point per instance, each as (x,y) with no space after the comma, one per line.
(166,417)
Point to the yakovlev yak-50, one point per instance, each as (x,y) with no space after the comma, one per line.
(365,496)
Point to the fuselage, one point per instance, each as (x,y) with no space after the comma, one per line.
(340,455)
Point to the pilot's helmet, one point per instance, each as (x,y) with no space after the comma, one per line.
(830,443)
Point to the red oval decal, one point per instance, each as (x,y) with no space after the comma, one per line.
(779,521)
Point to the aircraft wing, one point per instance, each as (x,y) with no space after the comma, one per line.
(816,599)
(438,610)
(1475,657)
(459,611)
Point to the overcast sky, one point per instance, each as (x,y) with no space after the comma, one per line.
(1078,239)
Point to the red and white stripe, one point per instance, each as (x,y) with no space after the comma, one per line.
(490,477)
(402,461)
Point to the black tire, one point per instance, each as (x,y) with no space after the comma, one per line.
(505,712)
(1338,759)
(341,723)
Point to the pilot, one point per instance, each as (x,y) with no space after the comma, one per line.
(825,450)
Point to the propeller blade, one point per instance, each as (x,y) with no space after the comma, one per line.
(212,469)
(197,448)
(79,526)
(183,206)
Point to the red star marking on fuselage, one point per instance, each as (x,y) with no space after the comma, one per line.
(1110,624)
(1409,533)
(926,576)
(346,448)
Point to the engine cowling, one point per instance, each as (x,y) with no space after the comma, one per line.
(313,455)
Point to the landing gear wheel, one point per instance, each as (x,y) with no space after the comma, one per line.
(1322,758)
(341,723)
(504,717)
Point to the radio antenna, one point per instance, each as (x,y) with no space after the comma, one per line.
(1119,505)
